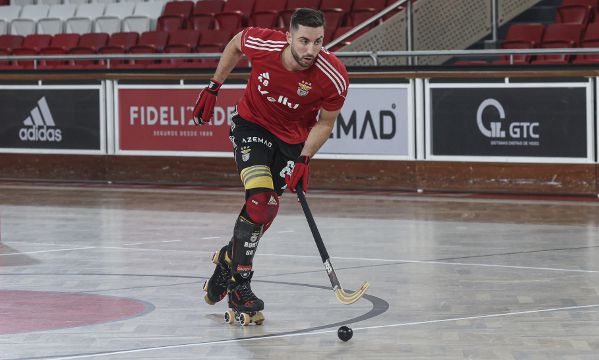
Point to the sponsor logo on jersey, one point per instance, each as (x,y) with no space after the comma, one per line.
(264,80)
(304,88)
(40,126)
(256,139)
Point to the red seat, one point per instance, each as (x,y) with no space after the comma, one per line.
(82,63)
(179,42)
(266,13)
(150,42)
(114,63)
(170,23)
(233,15)
(9,42)
(88,44)
(592,3)
(177,10)
(51,64)
(559,36)
(92,41)
(344,5)
(589,40)
(215,38)
(203,13)
(36,42)
(206,63)
(121,40)
(23,64)
(64,42)
(574,14)
(292,5)
(521,36)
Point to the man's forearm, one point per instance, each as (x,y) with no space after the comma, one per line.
(318,136)
(231,55)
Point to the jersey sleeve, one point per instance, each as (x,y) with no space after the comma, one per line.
(337,80)
(255,40)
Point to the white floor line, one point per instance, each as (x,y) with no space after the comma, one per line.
(210,237)
(436,263)
(25,242)
(170,241)
(414,323)
(47,251)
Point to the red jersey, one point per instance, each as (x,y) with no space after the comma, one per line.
(286,103)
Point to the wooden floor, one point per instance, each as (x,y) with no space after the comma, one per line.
(112,272)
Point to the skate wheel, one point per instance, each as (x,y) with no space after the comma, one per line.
(229,317)
(244,319)
(258,318)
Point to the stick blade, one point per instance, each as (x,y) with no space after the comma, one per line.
(350,298)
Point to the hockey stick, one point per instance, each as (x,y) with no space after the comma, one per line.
(342,296)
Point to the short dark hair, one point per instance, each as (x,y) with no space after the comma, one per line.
(306,17)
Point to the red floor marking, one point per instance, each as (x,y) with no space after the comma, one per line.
(25,311)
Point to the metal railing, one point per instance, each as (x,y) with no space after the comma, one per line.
(373,55)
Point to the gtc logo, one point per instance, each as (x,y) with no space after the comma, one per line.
(517,130)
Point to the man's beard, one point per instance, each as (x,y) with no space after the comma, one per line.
(298,59)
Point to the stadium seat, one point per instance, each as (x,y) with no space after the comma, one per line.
(170,23)
(559,36)
(10,42)
(266,13)
(589,40)
(150,42)
(179,42)
(592,3)
(25,23)
(8,14)
(215,38)
(58,14)
(76,2)
(574,14)
(23,64)
(84,18)
(178,10)
(233,16)
(292,5)
(111,21)
(92,41)
(122,40)
(36,42)
(203,13)
(49,2)
(363,10)
(144,16)
(521,36)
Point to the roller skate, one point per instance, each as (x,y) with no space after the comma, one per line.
(244,306)
(216,286)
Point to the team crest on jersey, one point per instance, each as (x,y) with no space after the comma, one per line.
(304,88)
(245,153)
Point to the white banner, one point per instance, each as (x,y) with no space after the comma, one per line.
(375,122)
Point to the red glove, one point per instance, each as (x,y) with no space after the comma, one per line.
(204,108)
(300,172)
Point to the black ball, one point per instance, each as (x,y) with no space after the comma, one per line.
(345,333)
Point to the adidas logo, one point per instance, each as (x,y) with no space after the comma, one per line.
(40,124)
(272,201)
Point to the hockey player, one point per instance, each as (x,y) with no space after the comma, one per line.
(294,94)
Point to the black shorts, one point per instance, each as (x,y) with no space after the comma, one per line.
(259,155)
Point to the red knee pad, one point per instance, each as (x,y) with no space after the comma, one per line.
(262,207)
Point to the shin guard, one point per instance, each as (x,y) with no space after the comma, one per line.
(243,245)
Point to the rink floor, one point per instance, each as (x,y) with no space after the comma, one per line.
(116,272)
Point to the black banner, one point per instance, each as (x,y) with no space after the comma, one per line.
(50,119)
(521,122)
